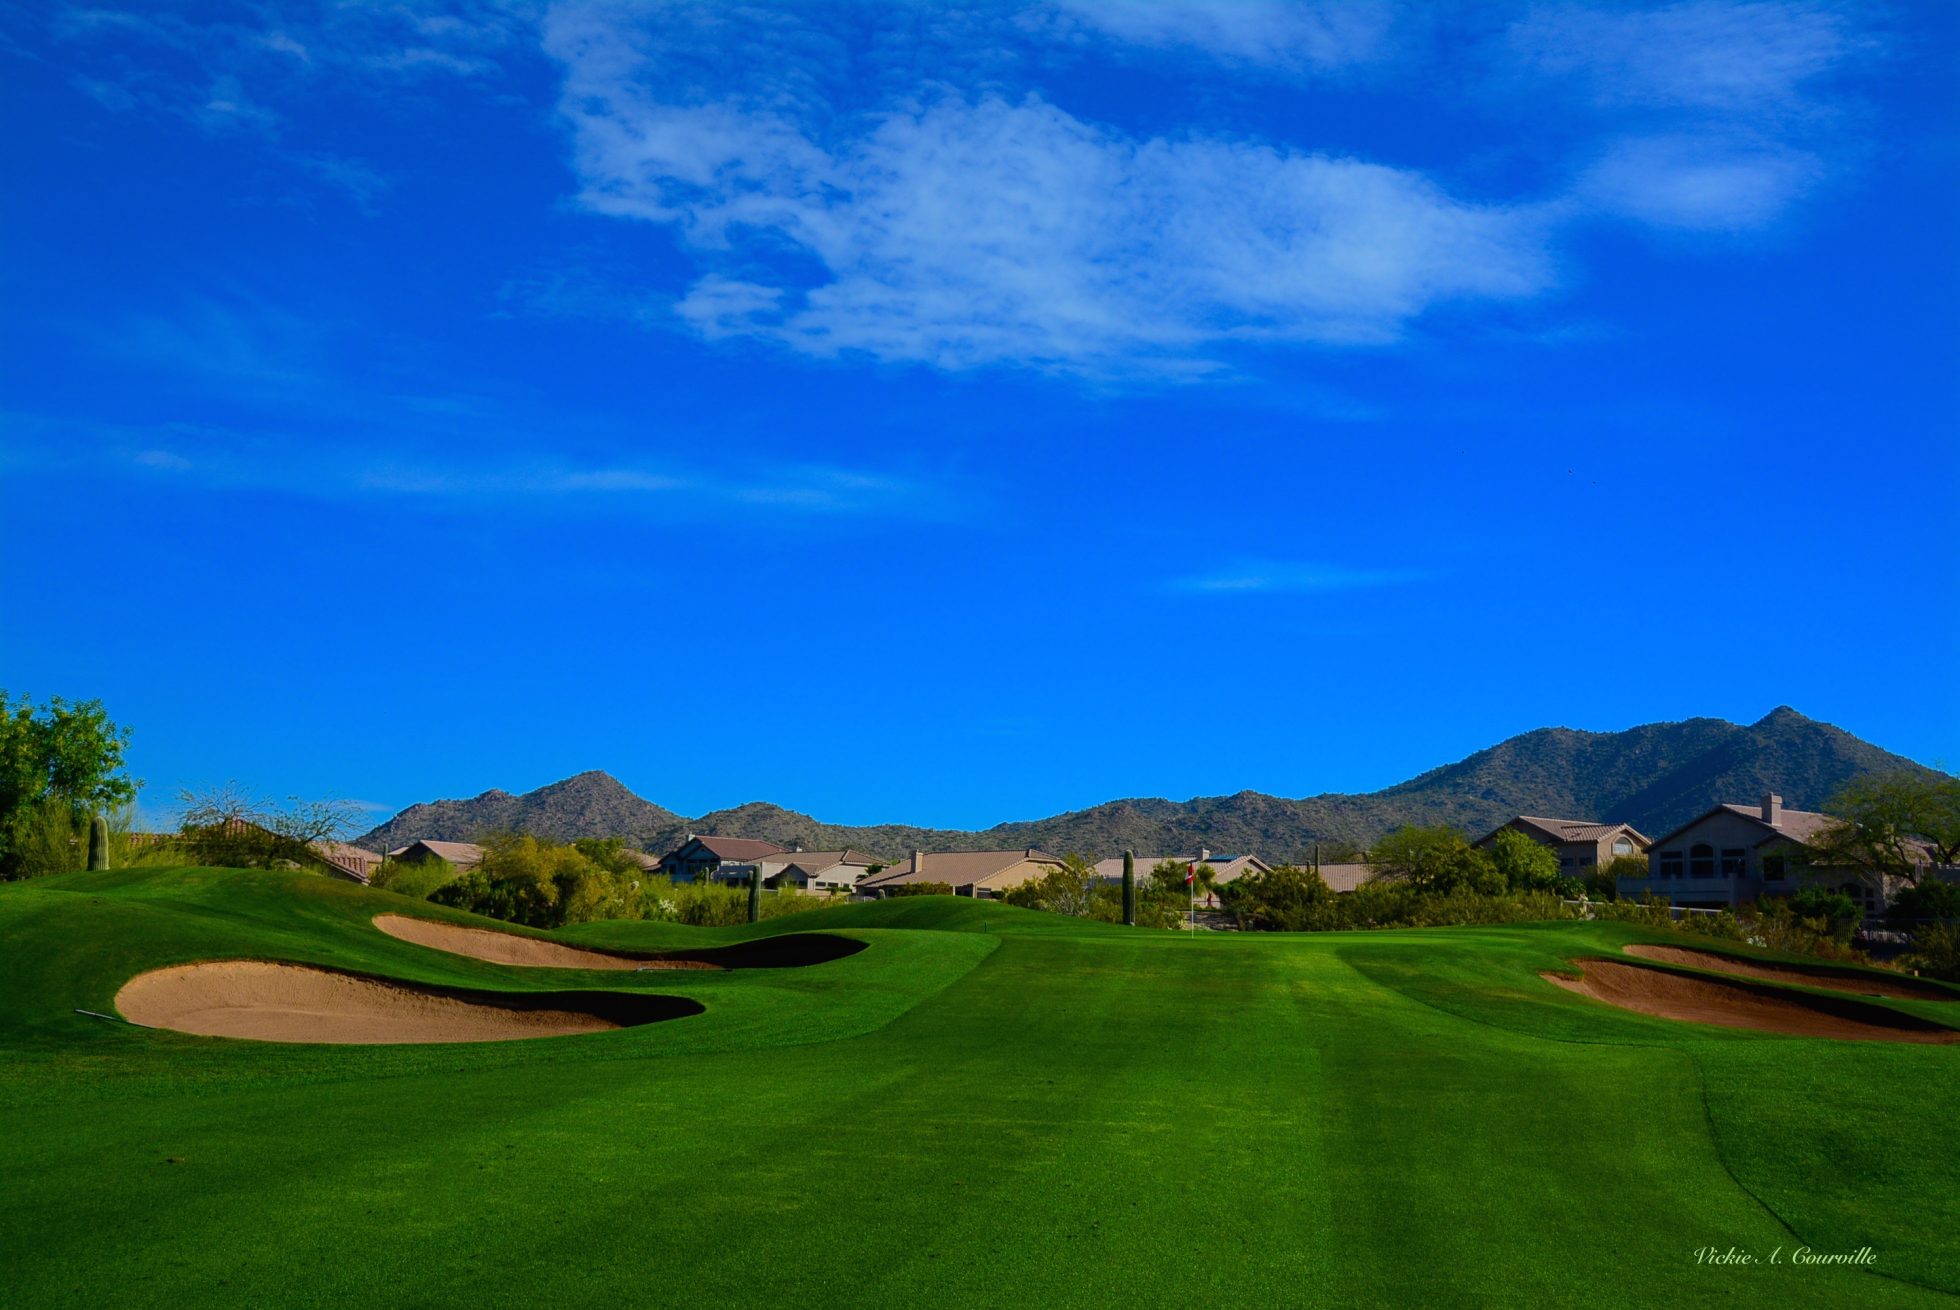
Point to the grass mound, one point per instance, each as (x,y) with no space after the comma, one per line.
(979,1106)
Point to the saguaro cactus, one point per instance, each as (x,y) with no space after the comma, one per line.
(755,896)
(1130,888)
(98,843)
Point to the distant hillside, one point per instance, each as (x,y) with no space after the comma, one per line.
(587,805)
(1655,777)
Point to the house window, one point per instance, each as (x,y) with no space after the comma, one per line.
(1670,864)
(1623,846)
(1775,868)
(1701,860)
(1733,862)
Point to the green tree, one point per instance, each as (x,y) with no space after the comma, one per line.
(1434,860)
(1890,826)
(60,764)
(1526,865)
(1287,899)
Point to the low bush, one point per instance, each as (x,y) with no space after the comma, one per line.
(921,889)
(418,879)
(1936,952)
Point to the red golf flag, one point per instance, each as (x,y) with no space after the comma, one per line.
(1190,874)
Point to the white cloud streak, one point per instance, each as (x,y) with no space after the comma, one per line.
(967,230)
(1254,577)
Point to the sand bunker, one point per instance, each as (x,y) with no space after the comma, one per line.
(509,948)
(789,951)
(1803,975)
(271,1002)
(1732,1003)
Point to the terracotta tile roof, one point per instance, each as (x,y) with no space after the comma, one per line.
(1346,877)
(1568,830)
(737,848)
(460,853)
(958,868)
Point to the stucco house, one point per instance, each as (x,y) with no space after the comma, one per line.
(815,871)
(1736,854)
(1579,843)
(981,874)
(462,854)
(1224,868)
(723,859)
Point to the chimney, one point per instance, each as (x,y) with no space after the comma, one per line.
(918,862)
(1772,809)
(796,848)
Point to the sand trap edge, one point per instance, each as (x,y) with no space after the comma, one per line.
(1727,1002)
(277,1001)
(1859,982)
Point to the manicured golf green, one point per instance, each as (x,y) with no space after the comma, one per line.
(985,1107)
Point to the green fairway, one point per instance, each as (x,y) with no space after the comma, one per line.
(985,1107)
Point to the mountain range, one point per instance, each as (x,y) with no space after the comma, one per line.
(1655,777)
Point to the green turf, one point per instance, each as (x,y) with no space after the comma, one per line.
(986,1107)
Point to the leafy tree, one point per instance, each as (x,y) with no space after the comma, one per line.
(1287,899)
(59,764)
(1526,865)
(1834,909)
(1933,899)
(1434,860)
(1890,825)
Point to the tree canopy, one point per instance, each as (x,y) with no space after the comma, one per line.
(1434,860)
(65,757)
(1892,825)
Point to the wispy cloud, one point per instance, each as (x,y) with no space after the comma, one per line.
(1315,35)
(1757,58)
(971,222)
(966,230)
(1249,577)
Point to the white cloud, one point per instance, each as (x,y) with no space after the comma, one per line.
(1284,33)
(962,230)
(1294,576)
(1707,54)
(1694,184)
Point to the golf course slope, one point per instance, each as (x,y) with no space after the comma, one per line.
(949,1103)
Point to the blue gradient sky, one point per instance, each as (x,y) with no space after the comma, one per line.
(960,414)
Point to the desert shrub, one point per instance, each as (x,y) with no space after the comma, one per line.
(1936,952)
(418,879)
(921,889)
(1287,899)
(1836,912)
(46,837)
(1931,901)
(1069,888)
(790,901)
(710,904)
(1603,884)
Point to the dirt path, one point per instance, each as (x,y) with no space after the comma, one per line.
(1737,1004)
(1803,975)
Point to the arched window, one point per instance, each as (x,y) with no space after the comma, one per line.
(1701,860)
(1623,846)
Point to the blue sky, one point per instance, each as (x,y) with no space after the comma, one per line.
(954,414)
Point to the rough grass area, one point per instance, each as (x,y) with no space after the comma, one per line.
(983,1107)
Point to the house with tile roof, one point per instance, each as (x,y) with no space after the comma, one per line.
(815,871)
(985,875)
(1735,854)
(719,859)
(462,854)
(1223,868)
(1580,844)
